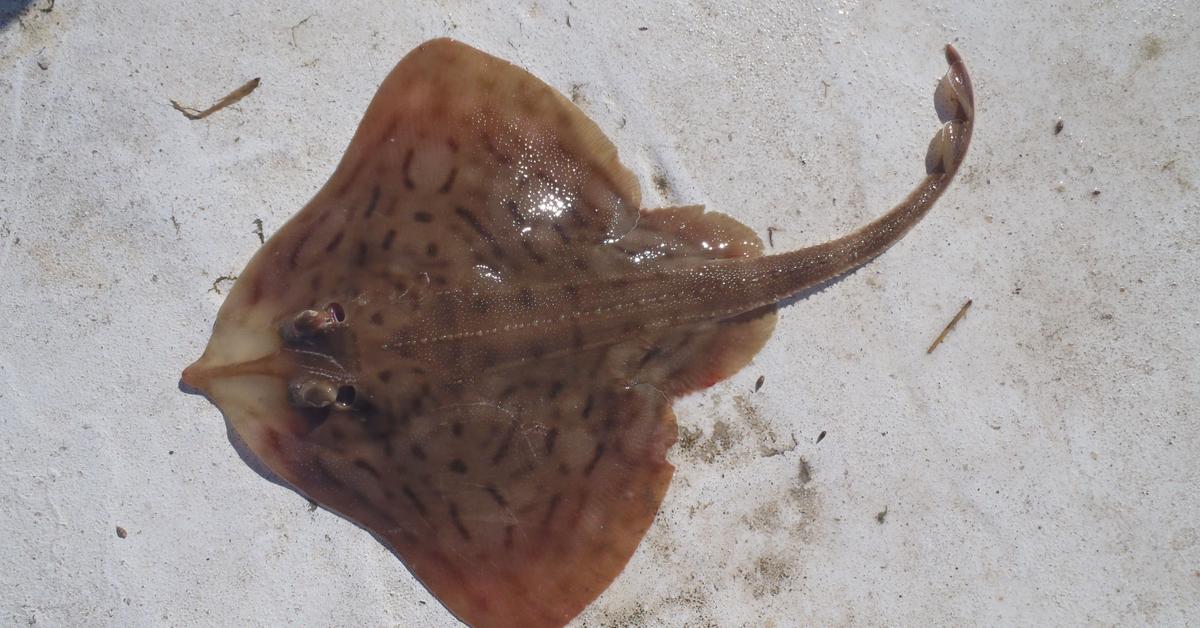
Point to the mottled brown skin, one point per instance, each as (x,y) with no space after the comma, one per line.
(469,341)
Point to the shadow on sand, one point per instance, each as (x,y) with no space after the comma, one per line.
(10,10)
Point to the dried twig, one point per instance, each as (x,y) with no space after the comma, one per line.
(954,321)
(234,96)
(216,285)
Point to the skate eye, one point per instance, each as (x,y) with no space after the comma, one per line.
(311,394)
(335,310)
(346,395)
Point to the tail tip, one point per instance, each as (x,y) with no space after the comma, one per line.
(954,101)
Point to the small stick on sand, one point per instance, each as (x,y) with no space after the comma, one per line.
(216,285)
(954,321)
(234,96)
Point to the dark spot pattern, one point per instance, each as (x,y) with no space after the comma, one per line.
(496,495)
(561,232)
(532,252)
(650,355)
(408,182)
(366,466)
(449,183)
(595,460)
(458,523)
(551,509)
(472,221)
(514,212)
(335,242)
(414,500)
(373,202)
(505,444)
